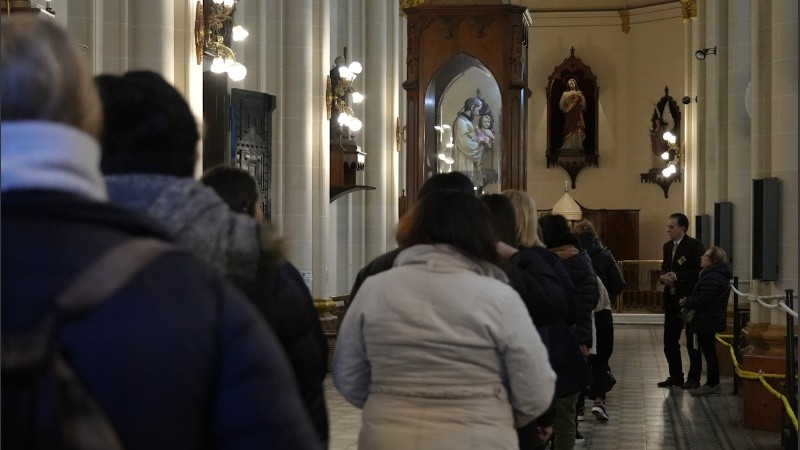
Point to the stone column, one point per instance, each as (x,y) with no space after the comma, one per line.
(377,126)
(152,37)
(737,163)
(773,58)
(297,137)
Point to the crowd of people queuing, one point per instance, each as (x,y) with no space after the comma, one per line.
(485,328)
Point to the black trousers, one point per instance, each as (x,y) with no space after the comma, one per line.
(673,325)
(708,347)
(604,327)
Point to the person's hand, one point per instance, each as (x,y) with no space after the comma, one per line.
(667,279)
(506,251)
(584,349)
(682,301)
(544,433)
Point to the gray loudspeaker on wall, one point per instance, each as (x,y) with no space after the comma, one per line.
(723,227)
(766,219)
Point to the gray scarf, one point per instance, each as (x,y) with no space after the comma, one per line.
(198,219)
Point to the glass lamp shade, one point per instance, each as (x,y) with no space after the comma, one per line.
(238,33)
(237,72)
(218,65)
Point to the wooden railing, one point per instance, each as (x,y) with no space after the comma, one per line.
(642,293)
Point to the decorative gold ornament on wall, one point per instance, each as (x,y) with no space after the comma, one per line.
(214,30)
(689,9)
(400,135)
(625,16)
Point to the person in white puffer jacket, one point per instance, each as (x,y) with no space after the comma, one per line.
(439,351)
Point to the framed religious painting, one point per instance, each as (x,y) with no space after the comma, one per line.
(572,117)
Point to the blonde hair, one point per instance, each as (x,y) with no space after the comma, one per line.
(526,217)
(44,76)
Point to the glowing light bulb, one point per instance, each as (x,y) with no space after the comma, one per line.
(665,156)
(217,65)
(358,97)
(355,67)
(345,73)
(237,72)
(238,33)
(355,124)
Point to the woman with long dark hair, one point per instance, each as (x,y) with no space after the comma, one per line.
(439,351)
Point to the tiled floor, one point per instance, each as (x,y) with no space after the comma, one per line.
(643,416)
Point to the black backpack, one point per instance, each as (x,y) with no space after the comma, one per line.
(45,405)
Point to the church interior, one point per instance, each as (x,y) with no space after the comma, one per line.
(677,106)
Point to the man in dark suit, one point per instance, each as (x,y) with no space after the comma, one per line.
(680,269)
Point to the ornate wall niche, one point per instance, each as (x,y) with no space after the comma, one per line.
(666,117)
(572,117)
(457,53)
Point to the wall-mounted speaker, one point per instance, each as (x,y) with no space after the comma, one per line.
(723,227)
(766,218)
(702,229)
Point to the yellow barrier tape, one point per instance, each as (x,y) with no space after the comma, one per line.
(759,376)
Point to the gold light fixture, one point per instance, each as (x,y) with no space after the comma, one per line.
(215,28)
(668,153)
(338,93)
(674,155)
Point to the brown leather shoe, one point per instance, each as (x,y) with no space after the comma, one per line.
(669,382)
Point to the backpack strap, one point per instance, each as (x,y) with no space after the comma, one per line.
(99,281)
(109,273)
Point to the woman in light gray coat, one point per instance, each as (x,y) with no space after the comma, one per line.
(439,351)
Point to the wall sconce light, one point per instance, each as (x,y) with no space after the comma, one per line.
(674,155)
(338,93)
(667,152)
(214,30)
(701,54)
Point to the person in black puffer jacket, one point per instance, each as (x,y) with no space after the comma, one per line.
(605,266)
(710,301)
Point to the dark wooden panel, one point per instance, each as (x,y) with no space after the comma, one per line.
(215,119)
(251,130)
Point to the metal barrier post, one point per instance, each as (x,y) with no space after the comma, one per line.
(790,372)
(790,347)
(737,330)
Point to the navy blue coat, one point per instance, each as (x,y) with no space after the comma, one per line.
(562,345)
(710,299)
(604,265)
(178,358)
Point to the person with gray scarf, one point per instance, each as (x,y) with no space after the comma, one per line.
(149,147)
